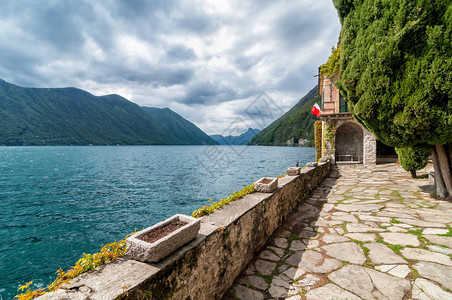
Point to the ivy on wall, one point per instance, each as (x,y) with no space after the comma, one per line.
(329,137)
(318,139)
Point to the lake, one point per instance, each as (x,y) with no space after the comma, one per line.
(57,203)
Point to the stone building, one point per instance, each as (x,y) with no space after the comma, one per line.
(343,139)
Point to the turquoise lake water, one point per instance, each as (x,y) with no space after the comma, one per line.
(57,203)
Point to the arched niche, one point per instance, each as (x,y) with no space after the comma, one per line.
(349,142)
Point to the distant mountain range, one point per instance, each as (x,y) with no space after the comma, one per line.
(183,132)
(242,139)
(297,123)
(71,116)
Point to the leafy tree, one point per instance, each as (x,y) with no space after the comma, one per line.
(396,73)
(413,159)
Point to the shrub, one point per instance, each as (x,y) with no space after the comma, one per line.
(412,159)
(205,210)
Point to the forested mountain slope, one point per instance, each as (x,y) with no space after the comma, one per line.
(297,123)
(71,116)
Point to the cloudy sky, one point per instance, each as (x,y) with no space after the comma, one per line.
(208,60)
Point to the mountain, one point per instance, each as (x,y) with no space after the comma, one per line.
(182,131)
(297,123)
(242,139)
(70,116)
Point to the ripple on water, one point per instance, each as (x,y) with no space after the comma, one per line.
(57,203)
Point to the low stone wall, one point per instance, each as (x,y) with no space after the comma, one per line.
(205,268)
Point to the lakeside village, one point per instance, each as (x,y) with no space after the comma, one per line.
(352,225)
(301,142)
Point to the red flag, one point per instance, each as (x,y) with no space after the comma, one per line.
(316,110)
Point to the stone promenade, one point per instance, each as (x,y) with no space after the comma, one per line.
(363,234)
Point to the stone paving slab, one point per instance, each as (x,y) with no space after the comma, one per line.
(404,239)
(426,255)
(381,254)
(350,252)
(330,292)
(440,240)
(400,271)
(426,290)
(436,272)
(370,233)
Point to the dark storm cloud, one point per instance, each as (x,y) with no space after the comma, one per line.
(209,93)
(56,25)
(156,18)
(150,76)
(246,62)
(296,29)
(292,80)
(180,53)
(159,79)
(133,9)
(170,53)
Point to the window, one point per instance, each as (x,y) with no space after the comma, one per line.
(343,106)
(331,91)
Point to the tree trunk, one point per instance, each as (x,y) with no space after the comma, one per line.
(444,165)
(441,190)
(413,174)
(449,147)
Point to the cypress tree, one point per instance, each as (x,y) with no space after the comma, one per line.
(396,73)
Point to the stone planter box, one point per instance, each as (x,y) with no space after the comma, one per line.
(266,185)
(153,252)
(293,171)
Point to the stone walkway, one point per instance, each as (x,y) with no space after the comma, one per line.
(369,234)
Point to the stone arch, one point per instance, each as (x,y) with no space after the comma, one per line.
(349,142)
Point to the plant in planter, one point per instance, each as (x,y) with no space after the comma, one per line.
(266,185)
(293,171)
(160,240)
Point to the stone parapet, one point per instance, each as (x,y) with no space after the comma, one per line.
(206,267)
